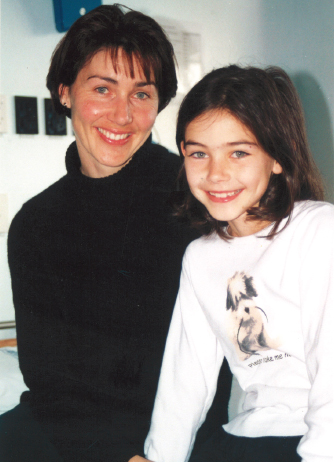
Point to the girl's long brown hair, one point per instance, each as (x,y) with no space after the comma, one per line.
(267,103)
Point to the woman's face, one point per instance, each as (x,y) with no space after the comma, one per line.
(112,113)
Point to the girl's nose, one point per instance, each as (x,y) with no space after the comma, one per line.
(120,112)
(218,171)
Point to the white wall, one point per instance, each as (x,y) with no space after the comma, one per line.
(296,34)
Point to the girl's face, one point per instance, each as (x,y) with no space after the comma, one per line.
(227,170)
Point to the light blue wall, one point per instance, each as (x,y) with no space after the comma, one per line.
(299,36)
(296,34)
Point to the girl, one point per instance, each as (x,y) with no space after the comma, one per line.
(258,287)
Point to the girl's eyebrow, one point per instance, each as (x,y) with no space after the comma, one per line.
(236,143)
(232,143)
(193,143)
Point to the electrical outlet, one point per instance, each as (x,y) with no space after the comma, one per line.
(4,225)
(3,114)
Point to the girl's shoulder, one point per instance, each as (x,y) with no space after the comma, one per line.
(313,213)
(203,246)
(311,222)
(313,218)
(310,206)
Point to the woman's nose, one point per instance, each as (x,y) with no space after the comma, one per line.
(218,171)
(120,112)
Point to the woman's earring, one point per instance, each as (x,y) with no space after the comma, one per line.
(64,104)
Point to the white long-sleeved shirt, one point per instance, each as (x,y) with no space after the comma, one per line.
(267,306)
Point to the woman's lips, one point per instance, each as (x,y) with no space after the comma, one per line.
(223,196)
(114,138)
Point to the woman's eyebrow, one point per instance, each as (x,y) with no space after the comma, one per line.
(145,84)
(115,82)
(100,77)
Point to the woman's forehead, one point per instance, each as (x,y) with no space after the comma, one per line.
(130,65)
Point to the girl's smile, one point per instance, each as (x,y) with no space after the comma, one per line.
(225,196)
(227,170)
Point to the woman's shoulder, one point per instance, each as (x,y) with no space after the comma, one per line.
(46,198)
(157,169)
(161,159)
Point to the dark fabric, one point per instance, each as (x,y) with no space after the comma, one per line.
(224,447)
(22,438)
(217,415)
(95,269)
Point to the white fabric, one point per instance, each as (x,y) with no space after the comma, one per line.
(11,380)
(277,339)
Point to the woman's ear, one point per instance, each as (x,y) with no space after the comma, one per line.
(277,168)
(64,95)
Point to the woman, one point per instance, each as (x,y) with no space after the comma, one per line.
(95,258)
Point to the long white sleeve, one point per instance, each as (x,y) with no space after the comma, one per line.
(187,384)
(317,304)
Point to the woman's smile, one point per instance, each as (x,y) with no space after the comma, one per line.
(112,112)
(111,136)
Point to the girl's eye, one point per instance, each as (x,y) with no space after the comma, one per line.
(239,154)
(198,155)
(141,95)
(102,90)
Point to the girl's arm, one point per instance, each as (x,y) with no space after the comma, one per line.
(317,304)
(188,378)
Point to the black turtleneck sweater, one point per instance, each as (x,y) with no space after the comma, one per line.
(95,269)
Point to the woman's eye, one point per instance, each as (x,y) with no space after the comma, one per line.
(141,95)
(198,155)
(239,154)
(102,90)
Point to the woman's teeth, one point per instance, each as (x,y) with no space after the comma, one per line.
(113,136)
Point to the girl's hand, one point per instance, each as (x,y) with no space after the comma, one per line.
(138,459)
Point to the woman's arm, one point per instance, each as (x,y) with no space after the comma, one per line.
(188,378)
(40,327)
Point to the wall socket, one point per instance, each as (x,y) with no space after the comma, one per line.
(4,224)
(3,114)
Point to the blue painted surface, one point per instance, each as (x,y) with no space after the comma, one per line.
(66,13)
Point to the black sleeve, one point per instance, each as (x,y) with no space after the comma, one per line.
(40,329)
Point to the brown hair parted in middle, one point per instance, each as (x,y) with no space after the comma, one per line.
(266,102)
(108,27)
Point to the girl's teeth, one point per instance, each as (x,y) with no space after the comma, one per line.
(223,195)
(113,136)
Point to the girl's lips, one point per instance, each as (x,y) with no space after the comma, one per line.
(223,196)
(113,138)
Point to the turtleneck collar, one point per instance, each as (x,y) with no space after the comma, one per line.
(73,164)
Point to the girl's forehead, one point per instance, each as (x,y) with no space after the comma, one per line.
(220,122)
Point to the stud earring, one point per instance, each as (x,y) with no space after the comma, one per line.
(64,104)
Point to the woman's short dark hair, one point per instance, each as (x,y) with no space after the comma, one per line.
(266,102)
(109,27)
